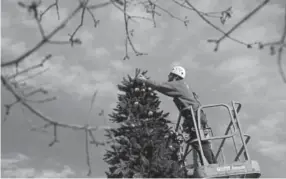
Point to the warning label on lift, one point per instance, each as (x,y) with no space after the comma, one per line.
(228,168)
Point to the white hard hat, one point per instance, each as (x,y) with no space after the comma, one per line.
(180,71)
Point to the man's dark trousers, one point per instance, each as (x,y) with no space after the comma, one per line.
(188,126)
(208,153)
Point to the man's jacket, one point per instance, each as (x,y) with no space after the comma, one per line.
(182,95)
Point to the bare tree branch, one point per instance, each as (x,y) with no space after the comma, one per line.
(22,95)
(19,93)
(56,124)
(8,107)
(46,39)
(239,23)
(214,26)
(39,114)
(43,41)
(280,45)
(128,38)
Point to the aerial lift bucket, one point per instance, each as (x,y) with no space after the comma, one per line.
(246,168)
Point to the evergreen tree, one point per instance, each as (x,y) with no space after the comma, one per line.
(144,145)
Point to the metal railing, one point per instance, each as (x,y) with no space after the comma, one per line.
(234,125)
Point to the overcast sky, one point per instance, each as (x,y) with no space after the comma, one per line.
(249,76)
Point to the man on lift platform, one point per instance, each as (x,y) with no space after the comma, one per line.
(183,97)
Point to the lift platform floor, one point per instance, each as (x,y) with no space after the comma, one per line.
(246,169)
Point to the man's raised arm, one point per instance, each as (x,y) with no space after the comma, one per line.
(166,88)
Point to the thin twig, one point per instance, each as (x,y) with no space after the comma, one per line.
(8,107)
(280,50)
(208,14)
(33,75)
(43,100)
(96,6)
(153,12)
(57,8)
(40,26)
(129,16)
(72,40)
(39,128)
(97,143)
(59,42)
(33,127)
(168,12)
(40,90)
(279,62)
(87,152)
(31,68)
(34,8)
(96,22)
(55,140)
(56,3)
(7,112)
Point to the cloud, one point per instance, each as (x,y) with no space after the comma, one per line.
(257,82)
(247,65)
(138,11)
(73,79)
(266,135)
(86,37)
(76,79)
(97,53)
(145,37)
(13,48)
(62,75)
(17,158)
(19,166)
(246,72)
(5,20)
(276,151)
(120,65)
(188,61)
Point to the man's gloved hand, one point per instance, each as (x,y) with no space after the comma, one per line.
(141,78)
(186,136)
